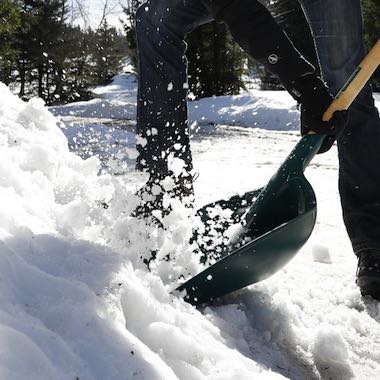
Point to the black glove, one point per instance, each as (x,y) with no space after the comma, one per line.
(314,98)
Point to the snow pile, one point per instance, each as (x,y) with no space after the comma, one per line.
(188,342)
(52,313)
(256,109)
(115,101)
(35,165)
(271,110)
(74,308)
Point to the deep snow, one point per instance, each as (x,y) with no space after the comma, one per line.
(76,300)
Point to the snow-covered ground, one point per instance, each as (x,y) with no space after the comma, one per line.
(76,301)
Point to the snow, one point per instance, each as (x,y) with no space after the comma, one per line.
(76,301)
(268,110)
(329,351)
(321,254)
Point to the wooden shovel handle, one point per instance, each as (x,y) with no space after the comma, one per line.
(355,83)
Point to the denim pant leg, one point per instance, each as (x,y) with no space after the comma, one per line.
(161,26)
(337,30)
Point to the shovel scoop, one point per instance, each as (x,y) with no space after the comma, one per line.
(276,220)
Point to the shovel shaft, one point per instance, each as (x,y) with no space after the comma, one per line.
(355,83)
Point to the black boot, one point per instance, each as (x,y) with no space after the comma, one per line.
(368,273)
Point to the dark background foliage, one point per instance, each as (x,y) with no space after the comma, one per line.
(42,53)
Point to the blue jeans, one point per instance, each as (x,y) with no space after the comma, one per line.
(162,88)
(161,27)
(338,35)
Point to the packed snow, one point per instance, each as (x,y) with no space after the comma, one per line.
(76,299)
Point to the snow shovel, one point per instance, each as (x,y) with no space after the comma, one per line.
(276,220)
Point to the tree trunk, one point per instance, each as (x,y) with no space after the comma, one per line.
(41,81)
(22,71)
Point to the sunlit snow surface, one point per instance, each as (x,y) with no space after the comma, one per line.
(76,300)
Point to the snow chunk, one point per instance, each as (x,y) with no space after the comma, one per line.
(330,354)
(176,165)
(329,346)
(141,141)
(321,254)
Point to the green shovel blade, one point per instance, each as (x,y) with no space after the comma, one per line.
(252,262)
(277,224)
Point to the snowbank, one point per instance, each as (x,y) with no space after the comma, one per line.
(269,110)
(71,307)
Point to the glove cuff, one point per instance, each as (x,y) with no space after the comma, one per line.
(310,89)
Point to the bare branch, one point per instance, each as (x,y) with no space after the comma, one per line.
(78,5)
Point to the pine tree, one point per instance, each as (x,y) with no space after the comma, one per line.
(72,67)
(9,25)
(49,57)
(216,63)
(55,57)
(42,25)
(108,53)
(49,30)
(130,28)
(21,44)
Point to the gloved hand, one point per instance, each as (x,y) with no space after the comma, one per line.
(314,98)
